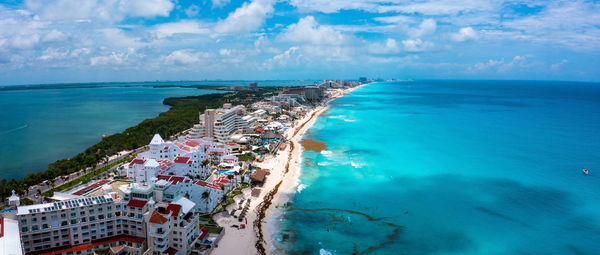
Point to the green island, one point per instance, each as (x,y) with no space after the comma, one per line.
(182,115)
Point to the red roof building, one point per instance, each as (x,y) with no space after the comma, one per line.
(120,239)
(137,203)
(158,218)
(171,251)
(181,160)
(174,208)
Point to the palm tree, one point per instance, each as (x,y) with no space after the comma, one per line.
(206,196)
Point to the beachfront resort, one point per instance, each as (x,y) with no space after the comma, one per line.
(201,191)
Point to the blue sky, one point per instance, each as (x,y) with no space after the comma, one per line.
(62,41)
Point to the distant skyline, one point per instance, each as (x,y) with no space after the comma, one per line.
(70,41)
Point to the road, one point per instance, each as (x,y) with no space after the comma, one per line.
(32,192)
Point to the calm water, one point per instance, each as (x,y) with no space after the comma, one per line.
(38,127)
(452,168)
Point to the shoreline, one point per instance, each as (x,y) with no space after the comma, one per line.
(284,177)
(292,180)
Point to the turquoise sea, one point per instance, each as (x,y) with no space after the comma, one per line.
(451,167)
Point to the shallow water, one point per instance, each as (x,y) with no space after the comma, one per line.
(451,167)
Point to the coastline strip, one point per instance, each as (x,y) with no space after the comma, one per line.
(268,199)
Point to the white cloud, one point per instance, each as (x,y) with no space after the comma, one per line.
(192,10)
(53,53)
(25,41)
(249,17)
(225,52)
(331,6)
(389,47)
(109,60)
(427,27)
(185,57)
(464,34)
(416,45)
(574,24)
(147,8)
(219,3)
(395,19)
(499,65)
(181,27)
(104,10)
(118,37)
(558,65)
(54,36)
(284,58)
(442,7)
(307,30)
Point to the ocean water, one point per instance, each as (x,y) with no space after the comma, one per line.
(40,126)
(451,167)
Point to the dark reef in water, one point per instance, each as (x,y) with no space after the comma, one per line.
(334,218)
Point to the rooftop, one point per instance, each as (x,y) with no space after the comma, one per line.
(157,139)
(137,203)
(74,203)
(158,218)
(87,246)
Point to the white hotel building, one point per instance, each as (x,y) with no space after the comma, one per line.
(220,124)
(79,226)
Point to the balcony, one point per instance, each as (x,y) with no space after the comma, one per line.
(160,234)
(161,241)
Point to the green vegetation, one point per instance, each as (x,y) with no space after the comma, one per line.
(26,201)
(87,177)
(213,230)
(247,156)
(182,115)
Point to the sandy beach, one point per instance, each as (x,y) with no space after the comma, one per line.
(280,183)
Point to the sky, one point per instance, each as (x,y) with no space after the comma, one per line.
(69,41)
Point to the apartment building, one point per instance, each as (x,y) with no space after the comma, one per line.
(220,124)
(173,228)
(79,226)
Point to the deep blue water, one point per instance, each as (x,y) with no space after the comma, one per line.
(452,167)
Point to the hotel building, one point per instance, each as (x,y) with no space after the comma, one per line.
(79,226)
(220,124)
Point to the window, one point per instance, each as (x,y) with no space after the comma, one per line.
(24,229)
(74,230)
(45,226)
(34,228)
(73,215)
(73,221)
(24,221)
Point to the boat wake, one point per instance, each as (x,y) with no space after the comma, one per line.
(14,129)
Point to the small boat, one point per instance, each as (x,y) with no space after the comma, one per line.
(585,171)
